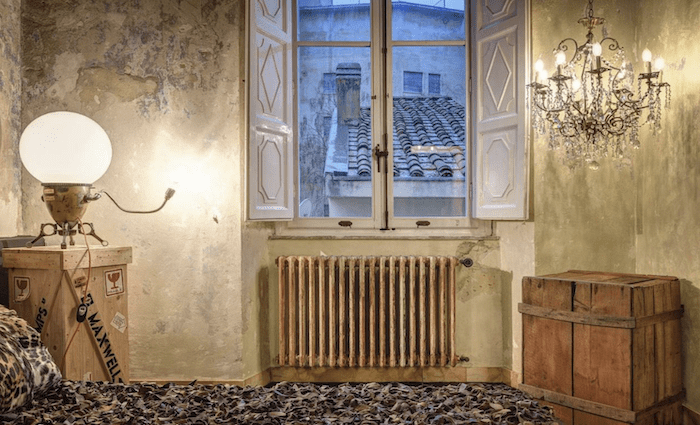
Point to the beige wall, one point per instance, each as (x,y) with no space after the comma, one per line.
(10,106)
(668,187)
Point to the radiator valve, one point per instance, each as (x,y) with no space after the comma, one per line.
(466,262)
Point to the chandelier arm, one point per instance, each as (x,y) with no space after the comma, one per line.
(625,97)
(615,125)
(575,116)
(614,44)
(568,131)
(562,46)
(539,100)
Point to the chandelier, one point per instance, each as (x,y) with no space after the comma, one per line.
(592,106)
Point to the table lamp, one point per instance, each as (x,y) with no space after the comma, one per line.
(67,152)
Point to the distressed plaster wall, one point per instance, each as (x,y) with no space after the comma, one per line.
(165,80)
(517,250)
(668,190)
(584,218)
(10,106)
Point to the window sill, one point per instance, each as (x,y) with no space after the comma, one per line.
(481,230)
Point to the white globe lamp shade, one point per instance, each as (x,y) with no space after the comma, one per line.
(66,148)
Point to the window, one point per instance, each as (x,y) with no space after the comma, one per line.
(434,84)
(329,83)
(391,156)
(412,82)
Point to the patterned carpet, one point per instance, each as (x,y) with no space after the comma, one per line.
(77,402)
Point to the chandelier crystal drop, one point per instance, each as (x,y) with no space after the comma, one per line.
(591,106)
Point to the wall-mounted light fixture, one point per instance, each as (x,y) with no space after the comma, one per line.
(67,152)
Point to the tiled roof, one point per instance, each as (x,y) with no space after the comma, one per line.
(429,135)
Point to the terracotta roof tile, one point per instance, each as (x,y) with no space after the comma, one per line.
(429,139)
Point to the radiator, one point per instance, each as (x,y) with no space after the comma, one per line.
(380,311)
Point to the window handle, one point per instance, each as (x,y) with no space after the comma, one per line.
(379,153)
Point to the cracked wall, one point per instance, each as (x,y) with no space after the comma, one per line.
(10,126)
(164,78)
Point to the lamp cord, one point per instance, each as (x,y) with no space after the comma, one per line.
(168,194)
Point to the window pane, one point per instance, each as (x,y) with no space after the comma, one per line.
(429,135)
(427,20)
(333,20)
(335,141)
(412,82)
(434,84)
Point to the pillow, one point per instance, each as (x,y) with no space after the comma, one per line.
(26,367)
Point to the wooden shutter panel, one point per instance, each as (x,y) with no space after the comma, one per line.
(500,133)
(270,141)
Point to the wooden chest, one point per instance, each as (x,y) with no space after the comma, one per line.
(47,284)
(604,348)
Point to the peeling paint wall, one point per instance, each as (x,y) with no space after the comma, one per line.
(584,217)
(164,78)
(668,192)
(10,106)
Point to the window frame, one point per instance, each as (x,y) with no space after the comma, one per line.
(382,122)
(479,30)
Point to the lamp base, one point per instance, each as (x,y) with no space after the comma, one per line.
(67,231)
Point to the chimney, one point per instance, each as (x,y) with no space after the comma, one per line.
(348,76)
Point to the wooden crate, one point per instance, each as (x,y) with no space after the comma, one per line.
(604,348)
(46,288)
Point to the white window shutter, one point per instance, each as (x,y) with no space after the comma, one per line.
(270,141)
(500,133)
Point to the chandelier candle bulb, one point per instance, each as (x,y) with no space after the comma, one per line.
(575,84)
(597,51)
(560,60)
(659,65)
(539,66)
(646,57)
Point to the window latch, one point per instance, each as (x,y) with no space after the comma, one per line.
(345,223)
(422,223)
(379,153)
